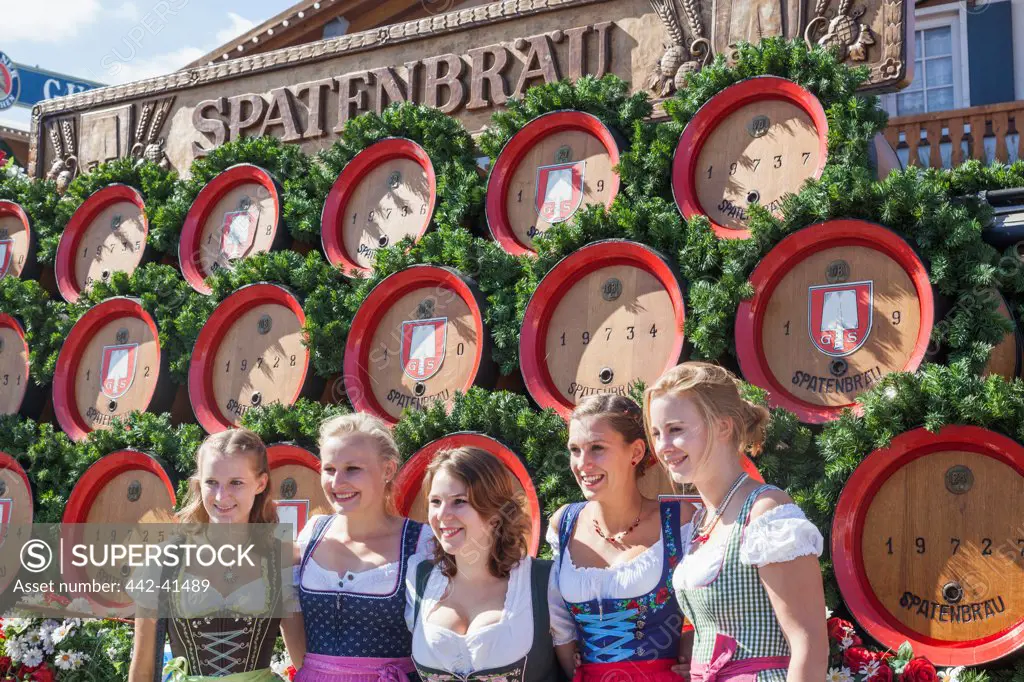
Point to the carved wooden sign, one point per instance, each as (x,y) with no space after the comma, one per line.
(466,62)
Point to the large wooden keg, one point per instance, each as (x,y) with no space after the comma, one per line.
(110,365)
(17,243)
(250,353)
(107,234)
(295,484)
(15,518)
(237,214)
(417,339)
(555,165)
(883,157)
(606,315)
(386,193)
(836,307)
(18,393)
(754,142)
(1005,359)
(411,499)
(928,546)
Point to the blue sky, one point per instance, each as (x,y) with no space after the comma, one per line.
(118,41)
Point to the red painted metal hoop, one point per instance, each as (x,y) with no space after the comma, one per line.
(64,402)
(64,267)
(770,271)
(714,111)
(410,476)
(358,384)
(8,461)
(285,454)
(199,212)
(104,470)
(200,376)
(9,208)
(532,360)
(12,323)
(512,154)
(848,526)
(345,186)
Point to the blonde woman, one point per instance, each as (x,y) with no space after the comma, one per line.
(228,487)
(482,610)
(350,576)
(750,581)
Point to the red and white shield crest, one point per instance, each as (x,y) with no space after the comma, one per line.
(559,190)
(238,233)
(6,255)
(423,343)
(839,316)
(6,508)
(117,369)
(295,512)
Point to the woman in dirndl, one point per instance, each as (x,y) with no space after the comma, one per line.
(351,565)
(615,552)
(750,582)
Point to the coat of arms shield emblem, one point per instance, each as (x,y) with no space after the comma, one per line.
(559,190)
(423,346)
(839,316)
(117,369)
(6,255)
(238,233)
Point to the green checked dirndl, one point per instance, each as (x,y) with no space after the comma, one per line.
(735,604)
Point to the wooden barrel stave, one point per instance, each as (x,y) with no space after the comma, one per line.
(18,243)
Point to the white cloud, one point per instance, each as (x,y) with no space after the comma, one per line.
(126,11)
(148,67)
(48,22)
(239,25)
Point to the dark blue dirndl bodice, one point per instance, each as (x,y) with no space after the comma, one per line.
(642,628)
(353,624)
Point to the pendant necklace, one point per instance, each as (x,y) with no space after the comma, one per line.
(698,538)
(618,537)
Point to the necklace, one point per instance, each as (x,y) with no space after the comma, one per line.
(698,537)
(618,537)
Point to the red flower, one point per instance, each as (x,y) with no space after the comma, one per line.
(840,630)
(920,670)
(633,604)
(290,672)
(673,560)
(5,664)
(40,673)
(662,596)
(871,664)
(856,657)
(574,608)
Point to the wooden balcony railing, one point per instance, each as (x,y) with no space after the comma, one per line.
(948,138)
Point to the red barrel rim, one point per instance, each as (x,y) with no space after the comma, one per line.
(9,208)
(358,385)
(8,461)
(566,272)
(64,268)
(767,275)
(104,470)
(410,476)
(11,322)
(512,154)
(715,110)
(848,526)
(345,185)
(195,220)
(285,454)
(64,402)
(200,378)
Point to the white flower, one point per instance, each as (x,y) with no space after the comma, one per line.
(78,659)
(950,674)
(35,599)
(32,657)
(838,675)
(828,613)
(111,652)
(890,393)
(79,605)
(63,660)
(15,648)
(34,638)
(278,664)
(847,641)
(62,632)
(870,669)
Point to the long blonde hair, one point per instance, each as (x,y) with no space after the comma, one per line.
(715,390)
(230,443)
(376,430)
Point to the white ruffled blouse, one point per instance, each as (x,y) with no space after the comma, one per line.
(781,534)
(492,646)
(376,581)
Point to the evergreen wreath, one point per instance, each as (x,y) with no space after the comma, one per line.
(286,163)
(154,183)
(38,198)
(298,423)
(44,321)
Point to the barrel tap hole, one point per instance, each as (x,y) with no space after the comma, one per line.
(419,389)
(256,399)
(952,592)
(105,274)
(838,367)
(112,406)
(383,240)
(753,195)
(606,375)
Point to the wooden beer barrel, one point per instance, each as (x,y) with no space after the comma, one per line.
(756,141)
(110,364)
(417,339)
(126,487)
(883,157)
(411,499)
(606,315)
(18,393)
(17,243)
(107,234)
(836,307)
(927,542)
(555,165)
(295,484)
(1005,359)
(237,214)
(250,353)
(386,193)
(15,512)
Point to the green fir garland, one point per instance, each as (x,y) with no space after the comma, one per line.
(45,321)
(298,424)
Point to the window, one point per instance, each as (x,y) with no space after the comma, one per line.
(934,84)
